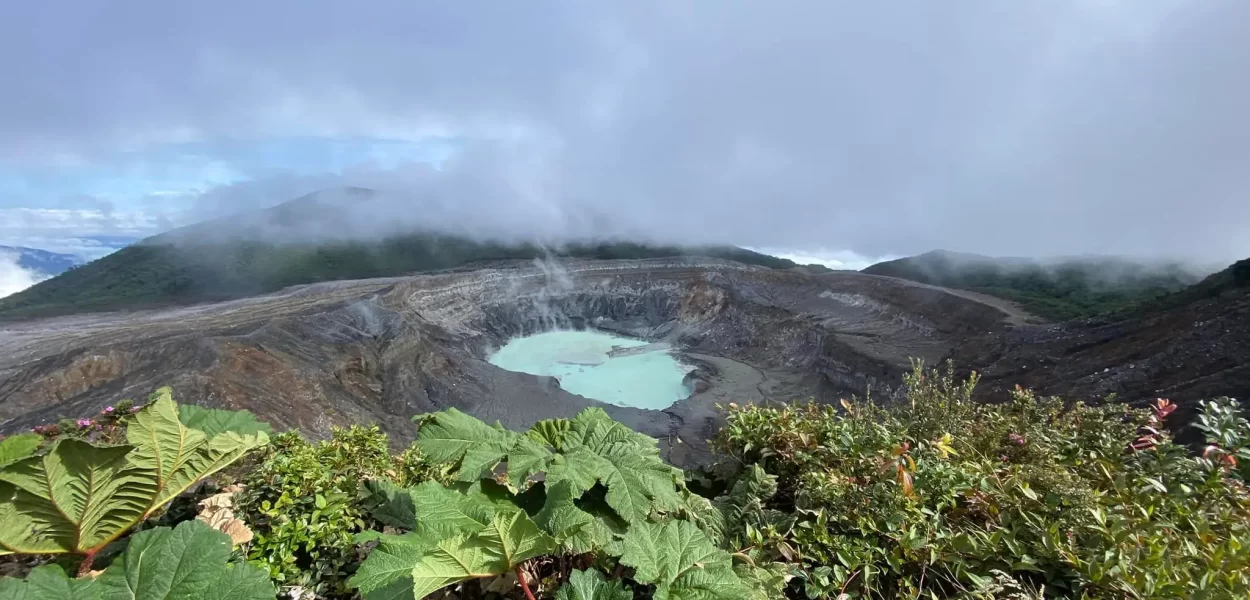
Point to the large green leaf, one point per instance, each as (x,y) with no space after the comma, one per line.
(452,436)
(596,448)
(765,582)
(681,561)
(442,512)
(550,432)
(48,582)
(526,459)
(214,421)
(185,563)
(76,498)
(577,530)
(638,483)
(591,585)
(593,429)
(447,436)
(410,567)
(742,506)
(189,562)
(178,456)
(17,447)
(389,503)
(79,497)
(508,541)
(387,573)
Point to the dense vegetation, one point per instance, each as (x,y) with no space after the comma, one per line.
(1060,291)
(160,272)
(1233,280)
(937,497)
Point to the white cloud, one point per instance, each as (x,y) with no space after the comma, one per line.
(13,278)
(18,224)
(834,259)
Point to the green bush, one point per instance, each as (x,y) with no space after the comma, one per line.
(933,497)
(945,497)
(303,503)
(540,508)
(78,498)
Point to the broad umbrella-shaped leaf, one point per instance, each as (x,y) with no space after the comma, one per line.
(765,582)
(447,436)
(579,531)
(742,506)
(48,582)
(718,583)
(17,447)
(443,513)
(591,585)
(189,562)
(387,573)
(508,541)
(525,459)
(76,498)
(179,456)
(214,421)
(681,561)
(550,432)
(389,503)
(597,448)
(593,429)
(637,482)
(409,566)
(185,563)
(452,436)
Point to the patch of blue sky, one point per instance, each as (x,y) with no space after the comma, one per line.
(129,179)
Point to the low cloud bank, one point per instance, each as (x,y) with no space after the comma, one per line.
(13,277)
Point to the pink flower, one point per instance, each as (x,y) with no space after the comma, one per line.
(135,409)
(84,422)
(1016,439)
(108,410)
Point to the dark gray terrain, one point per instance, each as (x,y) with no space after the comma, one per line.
(383,350)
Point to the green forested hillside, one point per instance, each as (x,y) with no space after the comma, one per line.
(329,235)
(1061,290)
(158,272)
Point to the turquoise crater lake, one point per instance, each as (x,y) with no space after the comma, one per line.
(600,366)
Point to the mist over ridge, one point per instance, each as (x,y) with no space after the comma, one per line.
(1046,129)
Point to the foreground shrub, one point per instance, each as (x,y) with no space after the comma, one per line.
(539,509)
(77,497)
(188,562)
(943,497)
(303,502)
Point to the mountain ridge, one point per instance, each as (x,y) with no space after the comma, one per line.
(1057,289)
(43,262)
(268,250)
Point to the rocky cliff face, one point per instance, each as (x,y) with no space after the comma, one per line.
(384,350)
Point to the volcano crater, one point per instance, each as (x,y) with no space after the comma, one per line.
(383,350)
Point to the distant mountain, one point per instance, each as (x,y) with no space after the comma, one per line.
(42,262)
(1060,289)
(268,250)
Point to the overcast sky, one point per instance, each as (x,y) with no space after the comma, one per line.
(821,128)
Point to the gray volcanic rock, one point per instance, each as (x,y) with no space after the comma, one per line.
(384,350)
